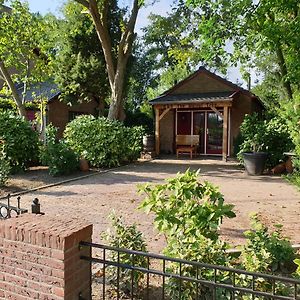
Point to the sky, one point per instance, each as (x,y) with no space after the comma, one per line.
(161,7)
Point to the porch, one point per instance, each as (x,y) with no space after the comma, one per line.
(209,122)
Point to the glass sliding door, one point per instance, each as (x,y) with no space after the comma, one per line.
(214,137)
(207,125)
(199,129)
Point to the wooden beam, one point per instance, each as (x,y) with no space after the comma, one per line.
(225,134)
(217,112)
(157,132)
(194,105)
(164,113)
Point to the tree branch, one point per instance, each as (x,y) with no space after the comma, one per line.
(83,2)
(12,88)
(104,37)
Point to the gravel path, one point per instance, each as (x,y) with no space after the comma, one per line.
(95,197)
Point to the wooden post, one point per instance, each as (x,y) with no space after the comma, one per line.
(157,132)
(225,134)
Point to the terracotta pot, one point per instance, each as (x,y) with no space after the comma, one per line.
(84,165)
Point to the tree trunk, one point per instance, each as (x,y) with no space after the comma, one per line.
(283,69)
(12,87)
(116,67)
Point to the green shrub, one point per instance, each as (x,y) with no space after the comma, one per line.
(264,251)
(270,136)
(185,207)
(21,142)
(290,112)
(139,118)
(57,155)
(189,213)
(4,166)
(103,142)
(126,237)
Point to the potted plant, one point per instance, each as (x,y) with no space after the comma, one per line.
(255,160)
(251,152)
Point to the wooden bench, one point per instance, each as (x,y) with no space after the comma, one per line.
(187,144)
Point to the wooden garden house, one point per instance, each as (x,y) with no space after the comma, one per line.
(204,113)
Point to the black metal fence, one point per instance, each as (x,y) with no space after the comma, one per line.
(7,210)
(12,207)
(126,274)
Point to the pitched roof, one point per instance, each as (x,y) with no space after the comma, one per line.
(193,98)
(46,90)
(168,97)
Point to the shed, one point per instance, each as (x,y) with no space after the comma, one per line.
(203,105)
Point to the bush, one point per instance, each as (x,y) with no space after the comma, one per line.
(60,159)
(4,166)
(185,207)
(270,136)
(139,118)
(126,237)
(103,142)
(290,111)
(21,142)
(189,214)
(266,252)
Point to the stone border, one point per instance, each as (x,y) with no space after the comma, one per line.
(62,182)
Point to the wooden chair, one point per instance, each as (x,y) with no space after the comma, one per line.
(187,144)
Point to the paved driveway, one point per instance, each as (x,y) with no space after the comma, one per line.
(95,197)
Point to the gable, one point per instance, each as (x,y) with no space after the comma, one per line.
(199,84)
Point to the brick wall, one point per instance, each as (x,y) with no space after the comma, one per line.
(40,258)
(58,113)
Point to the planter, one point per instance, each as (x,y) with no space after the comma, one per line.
(255,162)
(84,165)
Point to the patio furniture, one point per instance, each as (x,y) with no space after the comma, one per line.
(187,144)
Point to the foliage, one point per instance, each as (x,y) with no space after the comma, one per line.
(117,49)
(266,252)
(199,249)
(60,159)
(253,29)
(4,166)
(79,66)
(270,136)
(189,214)
(139,118)
(294,178)
(21,142)
(103,142)
(28,53)
(185,207)
(125,237)
(290,111)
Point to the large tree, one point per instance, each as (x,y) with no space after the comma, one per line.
(23,57)
(116,59)
(254,30)
(80,70)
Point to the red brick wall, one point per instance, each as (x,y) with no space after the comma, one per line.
(58,112)
(40,258)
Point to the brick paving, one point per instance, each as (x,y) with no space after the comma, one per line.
(94,198)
